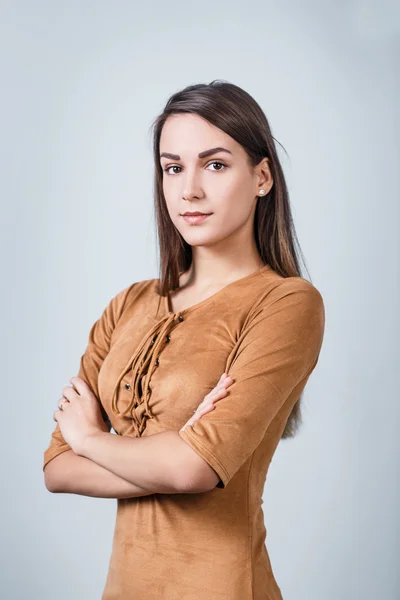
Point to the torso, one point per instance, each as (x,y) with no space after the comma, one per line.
(211,545)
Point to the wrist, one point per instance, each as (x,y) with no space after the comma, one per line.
(88,441)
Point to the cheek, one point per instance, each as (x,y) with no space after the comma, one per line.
(230,215)
(171,184)
(172,202)
(234,203)
(234,191)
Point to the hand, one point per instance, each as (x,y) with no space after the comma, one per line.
(218,392)
(80,415)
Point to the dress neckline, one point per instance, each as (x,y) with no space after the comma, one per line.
(167,303)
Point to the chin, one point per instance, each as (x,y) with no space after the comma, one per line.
(198,238)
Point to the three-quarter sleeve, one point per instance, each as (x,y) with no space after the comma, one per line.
(276,350)
(98,346)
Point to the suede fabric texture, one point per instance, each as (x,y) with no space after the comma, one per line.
(150,369)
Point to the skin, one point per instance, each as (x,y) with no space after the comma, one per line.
(223,246)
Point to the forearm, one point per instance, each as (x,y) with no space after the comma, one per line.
(72,474)
(156,462)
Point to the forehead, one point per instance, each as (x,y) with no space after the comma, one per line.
(187,134)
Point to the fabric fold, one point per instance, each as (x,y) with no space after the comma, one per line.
(143,362)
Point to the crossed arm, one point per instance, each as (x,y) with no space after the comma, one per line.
(274,358)
(69,473)
(111,466)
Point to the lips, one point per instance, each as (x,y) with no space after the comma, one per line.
(194,214)
(195,218)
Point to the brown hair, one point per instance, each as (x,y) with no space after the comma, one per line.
(235,112)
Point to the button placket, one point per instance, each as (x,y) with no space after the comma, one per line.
(142,364)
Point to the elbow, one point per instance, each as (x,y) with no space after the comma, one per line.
(195,475)
(50,484)
(50,481)
(56,472)
(198,481)
(52,490)
(52,476)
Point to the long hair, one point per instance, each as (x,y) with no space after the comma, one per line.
(235,112)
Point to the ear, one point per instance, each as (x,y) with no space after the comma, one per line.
(264,179)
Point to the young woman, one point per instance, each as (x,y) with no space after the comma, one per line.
(200,372)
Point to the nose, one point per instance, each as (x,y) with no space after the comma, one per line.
(192,188)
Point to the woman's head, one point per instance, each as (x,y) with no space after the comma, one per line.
(197,118)
(201,117)
(206,170)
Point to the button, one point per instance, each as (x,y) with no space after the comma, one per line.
(167,339)
(127,385)
(180,318)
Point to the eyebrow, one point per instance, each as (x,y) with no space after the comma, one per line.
(201,154)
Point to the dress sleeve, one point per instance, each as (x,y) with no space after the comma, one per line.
(90,362)
(277,350)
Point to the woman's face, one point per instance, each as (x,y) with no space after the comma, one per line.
(221,183)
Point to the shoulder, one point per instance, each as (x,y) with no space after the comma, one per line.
(305,292)
(276,287)
(290,299)
(137,291)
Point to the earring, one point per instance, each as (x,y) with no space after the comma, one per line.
(261,192)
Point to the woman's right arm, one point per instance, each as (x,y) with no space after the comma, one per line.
(69,473)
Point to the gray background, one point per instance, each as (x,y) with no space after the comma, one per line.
(80,84)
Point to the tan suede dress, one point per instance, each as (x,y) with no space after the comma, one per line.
(151,368)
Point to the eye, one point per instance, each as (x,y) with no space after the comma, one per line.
(214,162)
(166,170)
(217,162)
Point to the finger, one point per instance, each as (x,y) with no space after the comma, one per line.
(199,413)
(69,393)
(79,384)
(218,394)
(213,395)
(215,389)
(221,380)
(224,383)
(203,406)
(203,411)
(209,403)
(62,401)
